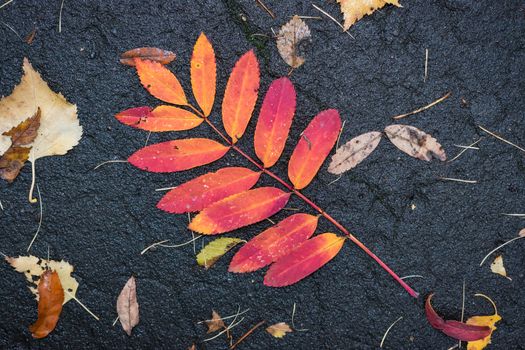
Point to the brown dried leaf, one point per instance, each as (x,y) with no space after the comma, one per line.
(497,267)
(31,36)
(415,142)
(147,53)
(216,323)
(128,307)
(291,39)
(279,330)
(16,155)
(354,10)
(354,152)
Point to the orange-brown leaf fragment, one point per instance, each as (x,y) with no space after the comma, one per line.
(415,142)
(354,152)
(16,155)
(147,53)
(203,74)
(354,10)
(216,323)
(279,330)
(49,304)
(291,41)
(128,307)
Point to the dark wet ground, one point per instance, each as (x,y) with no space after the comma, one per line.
(100,220)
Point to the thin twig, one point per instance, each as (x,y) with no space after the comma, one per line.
(60,17)
(334,181)
(192,236)
(465,149)
(441,99)
(462,309)
(115,322)
(333,19)
(308,17)
(6,3)
(84,306)
(227,317)
(518,215)
(412,276)
(161,244)
(388,330)
(13,30)
(498,247)
(1,206)
(339,136)
(153,246)
(247,334)
(271,221)
(33,180)
(265,8)
(293,324)
(426,66)
(147,139)
(41,218)
(490,300)
(227,329)
(110,161)
(165,189)
(501,138)
(459,180)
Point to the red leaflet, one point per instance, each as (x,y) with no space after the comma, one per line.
(303,261)
(204,190)
(240,95)
(274,122)
(203,74)
(312,149)
(239,210)
(177,155)
(147,53)
(274,243)
(51,297)
(454,329)
(160,82)
(162,118)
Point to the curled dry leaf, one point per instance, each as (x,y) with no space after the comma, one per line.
(16,155)
(49,304)
(415,142)
(128,307)
(33,267)
(279,330)
(354,10)
(291,40)
(212,252)
(497,267)
(216,323)
(354,152)
(147,53)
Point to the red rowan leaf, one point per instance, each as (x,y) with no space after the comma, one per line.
(239,210)
(240,95)
(274,121)
(273,243)
(49,304)
(203,74)
(147,53)
(160,82)
(197,194)
(162,118)
(314,146)
(177,155)
(303,261)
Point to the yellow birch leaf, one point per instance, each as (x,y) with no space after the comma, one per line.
(354,10)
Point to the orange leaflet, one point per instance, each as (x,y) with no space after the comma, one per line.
(274,122)
(203,74)
(204,190)
(162,118)
(274,243)
(312,149)
(240,95)
(49,304)
(177,155)
(239,210)
(303,261)
(147,53)
(160,82)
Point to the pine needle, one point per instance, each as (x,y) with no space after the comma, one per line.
(517,215)
(60,17)
(265,8)
(501,138)
(426,66)
(1,206)
(498,247)
(432,104)
(412,276)
(388,330)
(41,219)
(83,306)
(466,148)
(293,324)
(333,19)
(247,334)
(161,244)
(458,180)
(110,161)
(6,3)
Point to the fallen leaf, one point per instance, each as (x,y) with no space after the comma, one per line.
(216,323)
(15,157)
(354,10)
(192,347)
(455,329)
(240,95)
(304,260)
(275,119)
(522,232)
(30,37)
(197,194)
(415,142)
(49,304)
(147,53)
(274,243)
(177,155)
(212,252)
(291,39)
(279,330)
(128,307)
(489,321)
(203,74)
(497,267)
(239,210)
(33,267)
(354,152)
(313,147)
(162,118)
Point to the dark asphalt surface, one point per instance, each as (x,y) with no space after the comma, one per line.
(100,220)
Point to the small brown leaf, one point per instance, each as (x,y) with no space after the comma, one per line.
(128,307)
(216,323)
(291,39)
(147,53)
(354,152)
(415,142)
(16,155)
(279,330)
(31,36)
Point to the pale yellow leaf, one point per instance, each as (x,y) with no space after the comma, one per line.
(354,152)
(291,40)
(354,10)
(279,330)
(415,142)
(215,249)
(497,267)
(128,306)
